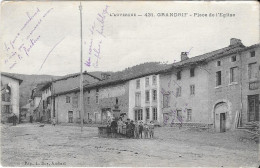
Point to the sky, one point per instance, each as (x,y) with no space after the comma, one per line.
(44,37)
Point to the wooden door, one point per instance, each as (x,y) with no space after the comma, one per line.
(253,108)
(222,122)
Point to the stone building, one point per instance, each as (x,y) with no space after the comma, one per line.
(102,100)
(144,99)
(9,97)
(213,89)
(47,106)
(219,89)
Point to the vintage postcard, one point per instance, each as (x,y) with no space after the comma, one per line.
(130,84)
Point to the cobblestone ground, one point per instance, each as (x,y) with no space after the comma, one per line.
(31,145)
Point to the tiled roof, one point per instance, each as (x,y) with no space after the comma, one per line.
(11,76)
(211,55)
(75,75)
(62,87)
(123,77)
(37,90)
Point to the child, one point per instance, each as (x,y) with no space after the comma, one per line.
(151,129)
(54,121)
(146,129)
(136,130)
(141,127)
(120,126)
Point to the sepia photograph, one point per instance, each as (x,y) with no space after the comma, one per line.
(130,83)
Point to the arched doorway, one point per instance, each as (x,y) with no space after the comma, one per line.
(221,116)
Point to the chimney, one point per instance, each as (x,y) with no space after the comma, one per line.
(184,56)
(105,76)
(234,41)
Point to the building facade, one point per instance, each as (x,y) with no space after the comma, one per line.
(144,99)
(9,97)
(47,107)
(101,103)
(219,89)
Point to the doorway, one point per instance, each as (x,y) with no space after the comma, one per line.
(70,116)
(253,108)
(222,122)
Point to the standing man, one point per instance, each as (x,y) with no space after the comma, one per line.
(14,119)
(113,128)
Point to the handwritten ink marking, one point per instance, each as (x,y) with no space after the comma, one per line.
(26,45)
(29,18)
(94,48)
(189,51)
(101,20)
(47,12)
(88,62)
(6,48)
(12,65)
(51,51)
(90,47)
(35,27)
(92,28)
(21,46)
(97,51)
(32,44)
(12,45)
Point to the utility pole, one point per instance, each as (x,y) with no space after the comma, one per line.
(81,75)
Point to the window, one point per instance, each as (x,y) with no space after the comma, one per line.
(147,113)
(49,100)
(154,80)
(138,114)
(116,100)
(75,102)
(179,115)
(252,53)
(233,58)
(189,113)
(218,63)
(233,74)
(178,91)
(147,81)
(88,100)
(147,96)
(67,99)
(192,72)
(154,113)
(218,78)
(192,89)
(97,90)
(88,91)
(252,71)
(178,75)
(166,99)
(154,95)
(6,109)
(138,84)
(88,115)
(137,99)
(96,99)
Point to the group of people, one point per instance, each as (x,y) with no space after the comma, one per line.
(132,129)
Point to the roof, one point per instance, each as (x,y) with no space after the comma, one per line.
(11,76)
(37,92)
(121,78)
(211,55)
(48,84)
